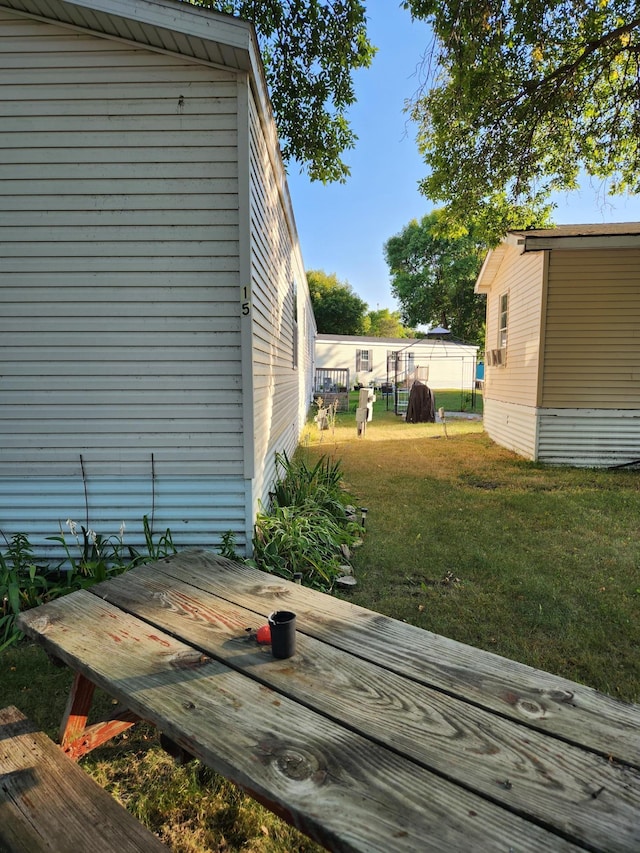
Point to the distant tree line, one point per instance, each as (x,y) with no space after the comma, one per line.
(340,311)
(433,272)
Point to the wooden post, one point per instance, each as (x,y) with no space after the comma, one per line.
(361,420)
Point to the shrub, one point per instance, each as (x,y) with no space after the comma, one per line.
(307,530)
(300,484)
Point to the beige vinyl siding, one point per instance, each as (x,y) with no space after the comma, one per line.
(512,426)
(521,276)
(119,322)
(277,275)
(592,346)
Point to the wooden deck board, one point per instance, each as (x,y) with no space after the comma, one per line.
(583,795)
(541,700)
(343,790)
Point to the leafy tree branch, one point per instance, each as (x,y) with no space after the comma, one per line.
(310,49)
(522,95)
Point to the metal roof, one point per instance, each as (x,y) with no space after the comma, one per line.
(399,343)
(601,229)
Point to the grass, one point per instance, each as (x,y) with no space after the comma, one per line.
(463,538)
(466,539)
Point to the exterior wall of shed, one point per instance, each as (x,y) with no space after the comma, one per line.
(121,379)
(449,365)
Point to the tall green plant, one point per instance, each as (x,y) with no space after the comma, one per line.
(302,539)
(88,559)
(23,584)
(306,530)
(299,483)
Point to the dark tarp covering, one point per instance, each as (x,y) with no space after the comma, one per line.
(422,404)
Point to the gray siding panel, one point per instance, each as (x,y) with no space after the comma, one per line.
(197,510)
(589,437)
(278,280)
(126,229)
(119,330)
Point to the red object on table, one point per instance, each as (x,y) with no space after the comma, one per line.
(263,635)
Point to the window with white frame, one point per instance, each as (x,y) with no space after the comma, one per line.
(363,361)
(503,321)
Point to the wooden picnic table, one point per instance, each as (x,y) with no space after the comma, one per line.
(375,736)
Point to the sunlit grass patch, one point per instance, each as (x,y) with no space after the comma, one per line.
(546,559)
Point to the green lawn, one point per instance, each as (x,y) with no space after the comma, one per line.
(464,539)
(451,400)
(468,540)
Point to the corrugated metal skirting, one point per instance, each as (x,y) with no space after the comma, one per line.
(196,510)
(589,437)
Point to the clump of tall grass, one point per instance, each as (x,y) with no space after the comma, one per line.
(299,484)
(307,530)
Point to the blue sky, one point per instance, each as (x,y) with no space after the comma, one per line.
(343,228)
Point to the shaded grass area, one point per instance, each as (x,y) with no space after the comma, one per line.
(468,540)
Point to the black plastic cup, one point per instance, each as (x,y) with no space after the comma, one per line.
(283,633)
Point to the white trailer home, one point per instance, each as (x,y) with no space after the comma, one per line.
(442,364)
(156,334)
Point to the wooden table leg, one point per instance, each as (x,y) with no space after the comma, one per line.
(76,714)
(76,738)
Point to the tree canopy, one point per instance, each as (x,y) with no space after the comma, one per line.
(520,95)
(433,276)
(338,310)
(384,323)
(310,50)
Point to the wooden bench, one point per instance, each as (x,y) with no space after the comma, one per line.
(48,803)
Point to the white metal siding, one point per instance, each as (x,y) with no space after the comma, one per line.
(450,365)
(119,322)
(119,287)
(512,426)
(589,437)
(277,278)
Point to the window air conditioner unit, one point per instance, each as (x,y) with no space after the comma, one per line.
(497,356)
